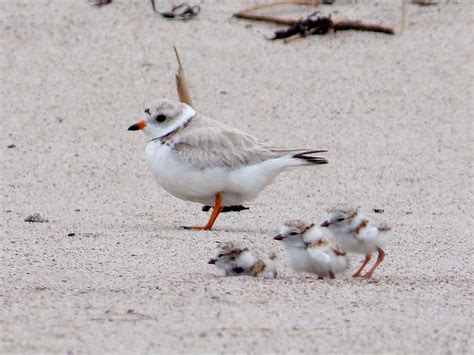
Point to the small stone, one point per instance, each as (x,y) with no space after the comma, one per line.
(36,218)
(11,146)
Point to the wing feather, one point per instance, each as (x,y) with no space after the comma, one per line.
(207,144)
(214,147)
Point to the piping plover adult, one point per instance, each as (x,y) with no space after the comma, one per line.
(196,158)
(311,250)
(355,233)
(237,261)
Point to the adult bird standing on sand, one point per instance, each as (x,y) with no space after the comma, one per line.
(198,159)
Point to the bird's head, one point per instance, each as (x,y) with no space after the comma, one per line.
(162,117)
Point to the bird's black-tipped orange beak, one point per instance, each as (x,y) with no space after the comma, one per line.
(325,224)
(137,126)
(278,237)
(212,261)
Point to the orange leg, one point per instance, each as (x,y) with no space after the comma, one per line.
(359,271)
(377,263)
(215,212)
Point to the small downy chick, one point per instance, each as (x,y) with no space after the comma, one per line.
(357,234)
(237,261)
(310,250)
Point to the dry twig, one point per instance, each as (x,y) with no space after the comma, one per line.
(153,5)
(181,86)
(246,13)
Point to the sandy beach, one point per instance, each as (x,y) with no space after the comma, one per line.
(111,272)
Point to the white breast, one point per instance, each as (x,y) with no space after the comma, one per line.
(299,260)
(180,180)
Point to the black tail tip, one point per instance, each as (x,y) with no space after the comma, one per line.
(306,156)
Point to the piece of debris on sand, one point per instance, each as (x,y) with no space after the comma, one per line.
(36,218)
(100,3)
(424,2)
(182,11)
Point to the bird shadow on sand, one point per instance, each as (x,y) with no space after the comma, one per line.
(218,230)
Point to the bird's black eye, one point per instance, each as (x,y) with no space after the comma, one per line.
(340,219)
(293,233)
(220,255)
(160,118)
(147,110)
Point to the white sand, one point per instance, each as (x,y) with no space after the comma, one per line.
(394,111)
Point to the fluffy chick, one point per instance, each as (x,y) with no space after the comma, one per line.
(355,233)
(237,261)
(310,250)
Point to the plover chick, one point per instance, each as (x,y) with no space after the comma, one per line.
(355,233)
(237,261)
(311,250)
(198,159)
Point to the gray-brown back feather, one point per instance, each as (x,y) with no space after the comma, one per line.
(209,144)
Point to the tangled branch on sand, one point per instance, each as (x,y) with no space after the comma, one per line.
(315,25)
(311,25)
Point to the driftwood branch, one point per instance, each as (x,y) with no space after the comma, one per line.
(246,13)
(281,2)
(264,18)
(344,25)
